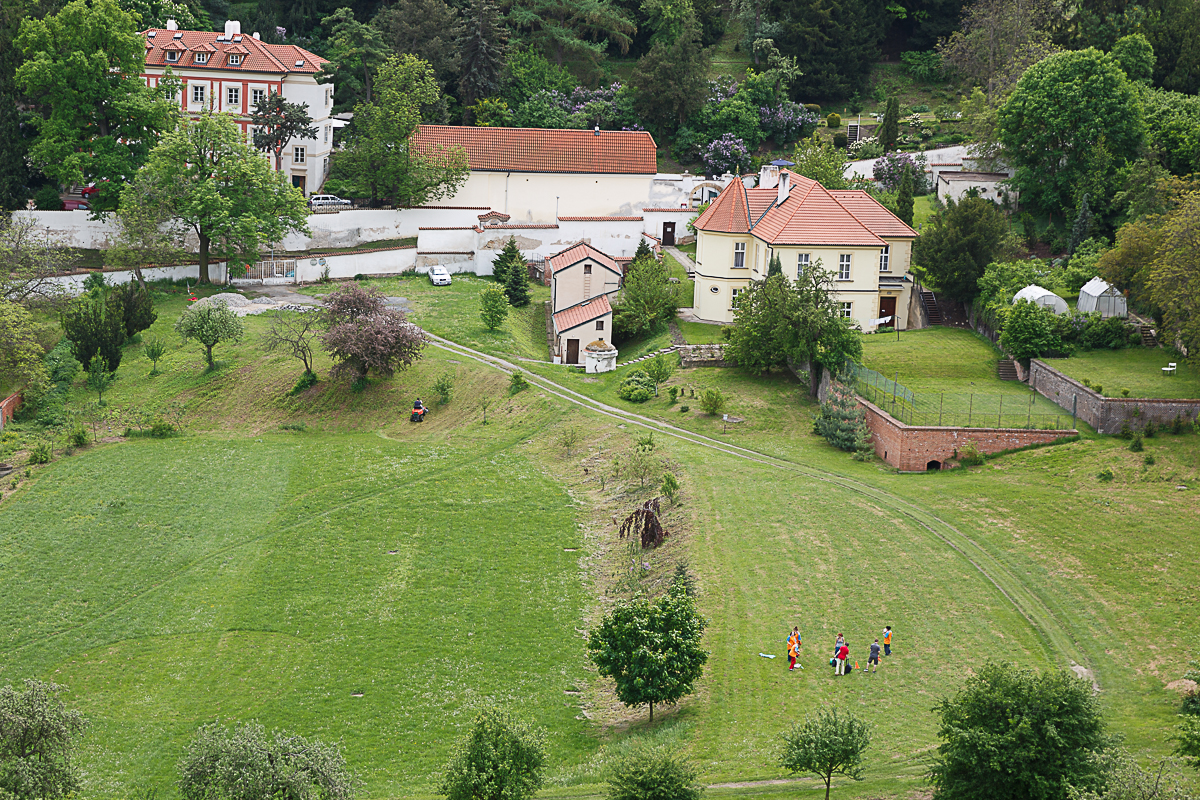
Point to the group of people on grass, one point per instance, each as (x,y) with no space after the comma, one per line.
(841,652)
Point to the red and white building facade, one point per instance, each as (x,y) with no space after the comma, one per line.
(229,72)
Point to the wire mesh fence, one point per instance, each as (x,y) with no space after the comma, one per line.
(959,409)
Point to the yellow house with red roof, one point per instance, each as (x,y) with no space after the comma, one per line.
(866,247)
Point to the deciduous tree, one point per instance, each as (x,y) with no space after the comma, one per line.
(295,334)
(209,179)
(37,736)
(646,772)
(31,260)
(651,650)
(1174,279)
(21,357)
(1012,733)
(820,160)
(647,299)
(500,758)
(659,370)
(84,66)
(997,41)
(364,335)
(958,243)
(1028,331)
(827,743)
(247,763)
(426,29)
(493,307)
(210,324)
(276,122)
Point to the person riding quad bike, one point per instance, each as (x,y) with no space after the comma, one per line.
(418,412)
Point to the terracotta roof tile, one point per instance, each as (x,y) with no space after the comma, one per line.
(546,150)
(599,219)
(258,55)
(586,311)
(675,209)
(576,253)
(871,213)
(728,213)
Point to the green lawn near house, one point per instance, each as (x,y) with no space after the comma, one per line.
(923,209)
(700,332)
(687,286)
(1138,369)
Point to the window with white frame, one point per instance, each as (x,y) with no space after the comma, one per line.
(235,59)
(844,267)
(233,96)
(884,254)
(197,93)
(258,95)
(298,155)
(802,263)
(847,310)
(172,55)
(739,255)
(328,128)
(734,295)
(328,96)
(201,58)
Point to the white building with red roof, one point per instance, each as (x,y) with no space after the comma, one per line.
(582,279)
(865,246)
(229,72)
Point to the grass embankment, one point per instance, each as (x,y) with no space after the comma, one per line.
(687,286)
(1138,369)
(700,332)
(160,578)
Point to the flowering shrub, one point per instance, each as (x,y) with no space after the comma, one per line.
(721,89)
(788,122)
(608,106)
(890,169)
(914,121)
(726,154)
(870,147)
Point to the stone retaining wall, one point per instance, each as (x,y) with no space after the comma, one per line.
(703,355)
(1106,414)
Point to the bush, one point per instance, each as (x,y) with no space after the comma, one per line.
(500,757)
(1105,475)
(41,452)
(842,422)
(841,140)
(684,409)
(969,455)
(1099,388)
(924,66)
(636,387)
(1148,460)
(1177,425)
(920,108)
(517,383)
(813,107)
(1136,445)
(77,437)
(726,154)
(712,401)
(1150,430)
(833,121)
(673,393)
(47,199)
(1124,393)
(653,773)
(1126,431)
(443,387)
(161,429)
(307,380)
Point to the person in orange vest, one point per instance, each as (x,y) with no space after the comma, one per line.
(793,648)
(887,640)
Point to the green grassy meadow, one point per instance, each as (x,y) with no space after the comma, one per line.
(240,571)
(1138,369)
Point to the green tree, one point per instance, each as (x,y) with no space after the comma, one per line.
(651,650)
(1125,779)
(1135,56)
(647,299)
(1012,733)
(1187,739)
(247,763)
(481,45)
(510,258)
(578,29)
(774,266)
(14,171)
(904,200)
(647,772)
(527,72)
(137,309)
(997,41)
(670,82)
(21,357)
(712,401)
(95,323)
(843,423)
(356,51)
(276,122)
(426,29)
(32,260)
(210,324)
(146,232)
(381,158)
(659,369)
(1028,331)
(154,350)
(207,177)
(493,307)
(957,244)
(83,67)
(155,13)
(1061,108)
(889,129)
(516,285)
(834,42)
(822,161)
(37,735)
(500,758)
(778,322)
(98,377)
(1174,281)
(827,744)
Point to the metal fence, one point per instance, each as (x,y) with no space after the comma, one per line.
(956,409)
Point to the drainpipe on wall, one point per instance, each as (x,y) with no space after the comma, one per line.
(507,175)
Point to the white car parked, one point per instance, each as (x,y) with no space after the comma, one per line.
(327,201)
(439,276)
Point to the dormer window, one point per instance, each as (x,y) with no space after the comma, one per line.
(235,59)
(172,55)
(201,58)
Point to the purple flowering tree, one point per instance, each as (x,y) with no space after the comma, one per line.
(890,169)
(788,122)
(727,154)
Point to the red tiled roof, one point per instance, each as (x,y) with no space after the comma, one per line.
(726,214)
(871,213)
(258,56)
(599,219)
(586,311)
(576,253)
(759,200)
(546,150)
(667,208)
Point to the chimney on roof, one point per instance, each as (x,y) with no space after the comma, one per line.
(172,25)
(255,35)
(784,186)
(597,129)
(768,176)
(232,27)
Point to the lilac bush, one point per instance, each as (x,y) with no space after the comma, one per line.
(788,121)
(889,170)
(726,154)
(721,89)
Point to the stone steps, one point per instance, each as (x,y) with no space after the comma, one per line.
(1006,370)
(663,351)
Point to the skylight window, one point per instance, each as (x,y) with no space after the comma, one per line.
(178,35)
(151,34)
(237,38)
(299,63)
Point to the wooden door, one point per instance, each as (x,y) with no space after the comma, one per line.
(887,308)
(572,351)
(668,234)
(298,182)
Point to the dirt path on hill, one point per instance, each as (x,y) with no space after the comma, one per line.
(1020,594)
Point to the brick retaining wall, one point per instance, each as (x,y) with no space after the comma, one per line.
(703,355)
(1106,414)
(9,407)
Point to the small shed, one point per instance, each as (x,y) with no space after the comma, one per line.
(1043,297)
(1100,295)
